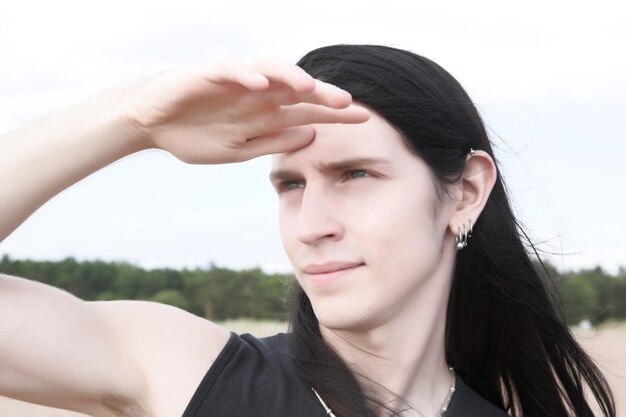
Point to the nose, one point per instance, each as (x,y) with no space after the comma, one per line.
(318,219)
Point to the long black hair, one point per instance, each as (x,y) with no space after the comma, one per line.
(505,332)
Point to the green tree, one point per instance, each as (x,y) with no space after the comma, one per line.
(171,297)
(581,299)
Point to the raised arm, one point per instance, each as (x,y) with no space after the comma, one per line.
(42,159)
(111,358)
(201,114)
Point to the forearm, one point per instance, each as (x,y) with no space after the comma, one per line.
(42,159)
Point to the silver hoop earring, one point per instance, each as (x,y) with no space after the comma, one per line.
(460,241)
(461,238)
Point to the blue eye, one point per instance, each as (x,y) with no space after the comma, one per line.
(357,171)
(287,186)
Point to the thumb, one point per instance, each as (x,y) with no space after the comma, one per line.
(286,140)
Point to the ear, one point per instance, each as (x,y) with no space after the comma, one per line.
(479,177)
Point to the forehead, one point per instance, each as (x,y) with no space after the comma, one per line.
(375,138)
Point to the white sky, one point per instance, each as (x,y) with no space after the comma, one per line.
(548,77)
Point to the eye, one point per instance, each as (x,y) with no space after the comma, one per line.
(357,173)
(288,185)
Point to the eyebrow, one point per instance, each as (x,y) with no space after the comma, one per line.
(330,167)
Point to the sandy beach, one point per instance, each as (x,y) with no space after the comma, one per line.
(606,346)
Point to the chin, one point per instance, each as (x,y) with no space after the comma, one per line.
(343,319)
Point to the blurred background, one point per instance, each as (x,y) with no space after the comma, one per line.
(548,78)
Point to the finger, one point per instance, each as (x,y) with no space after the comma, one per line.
(324,94)
(286,140)
(305,113)
(235,72)
(289,74)
(327,95)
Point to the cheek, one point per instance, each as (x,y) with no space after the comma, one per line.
(287,227)
(401,232)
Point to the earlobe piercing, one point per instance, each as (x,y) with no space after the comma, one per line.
(461,239)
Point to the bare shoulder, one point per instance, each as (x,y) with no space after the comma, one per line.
(173,348)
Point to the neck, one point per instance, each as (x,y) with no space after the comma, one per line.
(407,354)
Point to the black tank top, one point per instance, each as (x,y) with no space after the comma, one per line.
(253,377)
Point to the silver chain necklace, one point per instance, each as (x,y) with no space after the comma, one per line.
(442,411)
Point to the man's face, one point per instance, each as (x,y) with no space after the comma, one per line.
(374,217)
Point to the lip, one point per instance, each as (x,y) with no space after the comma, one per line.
(329,267)
(329,272)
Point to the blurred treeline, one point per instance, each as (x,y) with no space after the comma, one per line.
(221,293)
(587,294)
(214,293)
